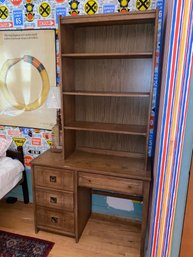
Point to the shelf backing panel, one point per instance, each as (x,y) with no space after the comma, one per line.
(111,142)
(116,75)
(111,38)
(115,110)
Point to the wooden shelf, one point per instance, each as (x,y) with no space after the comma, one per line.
(133,55)
(115,18)
(115,94)
(106,127)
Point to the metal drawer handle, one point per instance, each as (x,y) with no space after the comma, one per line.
(53,199)
(54,219)
(53,179)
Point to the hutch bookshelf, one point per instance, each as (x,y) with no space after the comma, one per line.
(107,68)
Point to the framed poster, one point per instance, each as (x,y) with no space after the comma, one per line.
(27,72)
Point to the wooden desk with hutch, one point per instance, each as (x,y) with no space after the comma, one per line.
(107,67)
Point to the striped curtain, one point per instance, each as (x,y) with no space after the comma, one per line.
(178,60)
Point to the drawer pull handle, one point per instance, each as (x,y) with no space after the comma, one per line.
(53,179)
(54,220)
(53,199)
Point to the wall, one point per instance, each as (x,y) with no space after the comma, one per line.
(184,178)
(175,86)
(29,14)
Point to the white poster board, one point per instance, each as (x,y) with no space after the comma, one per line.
(27,72)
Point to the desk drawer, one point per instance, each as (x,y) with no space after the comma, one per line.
(63,221)
(120,185)
(54,199)
(54,178)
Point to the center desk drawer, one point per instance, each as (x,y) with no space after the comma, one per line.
(54,178)
(120,185)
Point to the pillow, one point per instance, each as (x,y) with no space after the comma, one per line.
(4,145)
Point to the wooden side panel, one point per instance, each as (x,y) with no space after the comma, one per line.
(68,115)
(69,142)
(67,74)
(151,85)
(83,206)
(146,188)
(66,33)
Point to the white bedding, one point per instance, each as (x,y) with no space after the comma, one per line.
(10,174)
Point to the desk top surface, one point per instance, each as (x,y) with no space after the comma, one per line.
(125,167)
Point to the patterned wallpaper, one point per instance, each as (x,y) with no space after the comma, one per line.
(34,141)
(27,14)
(39,14)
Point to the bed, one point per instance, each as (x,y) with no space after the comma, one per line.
(12,173)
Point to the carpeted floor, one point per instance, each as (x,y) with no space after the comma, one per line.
(14,245)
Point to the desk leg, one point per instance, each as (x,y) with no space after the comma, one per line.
(25,188)
(83,210)
(146,188)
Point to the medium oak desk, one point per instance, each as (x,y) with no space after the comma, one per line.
(62,189)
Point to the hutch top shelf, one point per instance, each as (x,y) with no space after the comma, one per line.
(97,19)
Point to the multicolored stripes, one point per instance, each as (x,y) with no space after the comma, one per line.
(35,62)
(170,144)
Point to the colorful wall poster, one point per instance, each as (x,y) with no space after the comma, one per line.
(27,72)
